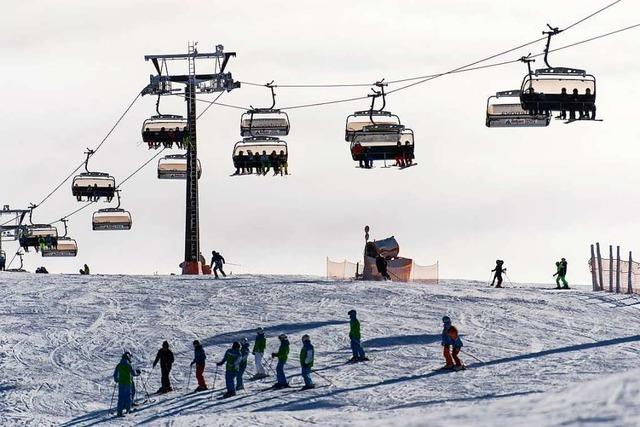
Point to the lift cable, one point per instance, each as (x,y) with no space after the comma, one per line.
(94,151)
(391,82)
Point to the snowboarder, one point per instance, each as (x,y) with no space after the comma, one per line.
(306,361)
(165,357)
(282,355)
(446,342)
(3,261)
(244,356)
(232,357)
(498,273)
(456,343)
(123,375)
(355,337)
(199,359)
(217,262)
(381,264)
(259,346)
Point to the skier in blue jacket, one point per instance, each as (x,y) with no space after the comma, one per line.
(282,355)
(306,361)
(199,359)
(456,342)
(232,359)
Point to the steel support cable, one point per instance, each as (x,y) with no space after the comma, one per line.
(102,142)
(336,85)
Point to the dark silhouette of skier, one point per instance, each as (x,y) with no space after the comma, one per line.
(165,357)
(498,273)
(381,264)
(217,261)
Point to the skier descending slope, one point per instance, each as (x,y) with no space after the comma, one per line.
(282,355)
(498,270)
(259,347)
(457,346)
(232,357)
(199,359)
(123,375)
(165,357)
(355,337)
(446,343)
(244,356)
(306,361)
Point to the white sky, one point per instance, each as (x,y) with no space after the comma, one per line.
(528,196)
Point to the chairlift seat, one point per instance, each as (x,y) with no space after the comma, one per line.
(93,184)
(175,167)
(244,151)
(356,124)
(264,122)
(65,247)
(511,114)
(384,146)
(542,90)
(111,219)
(31,234)
(164,129)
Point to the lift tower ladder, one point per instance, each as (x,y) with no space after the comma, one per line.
(161,84)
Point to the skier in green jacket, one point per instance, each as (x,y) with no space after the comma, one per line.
(561,272)
(259,347)
(123,375)
(355,337)
(282,355)
(306,361)
(233,358)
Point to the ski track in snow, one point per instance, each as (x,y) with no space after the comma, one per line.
(548,358)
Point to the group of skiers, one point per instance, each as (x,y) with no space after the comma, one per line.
(235,362)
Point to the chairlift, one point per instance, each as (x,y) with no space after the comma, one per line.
(108,219)
(372,119)
(93,185)
(559,89)
(164,130)
(265,121)
(65,247)
(384,146)
(502,112)
(29,235)
(247,153)
(175,167)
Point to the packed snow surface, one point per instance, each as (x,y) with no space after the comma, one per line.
(542,357)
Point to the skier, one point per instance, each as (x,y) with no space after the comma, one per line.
(498,273)
(446,343)
(259,346)
(306,361)
(244,356)
(355,336)
(199,360)
(217,261)
(42,244)
(165,357)
(381,264)
(123,375)
(561,271)
(3,260)
(282,355)
(85,270)
(456,343)
(232,357)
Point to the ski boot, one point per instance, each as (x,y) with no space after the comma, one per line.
(308,387)
(363,359)
(200,388)
(228,395)
(459,368)
(353,360)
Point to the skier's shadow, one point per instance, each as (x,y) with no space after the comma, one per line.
(400,340)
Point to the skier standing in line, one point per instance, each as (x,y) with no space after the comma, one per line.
(282,355)
(166,359)
(498,273)
(446,343)
(355,337)
(217,262)
(3,261)
(381,264)
(306,361)
(199,359)
(457,346)
(232,357)
(259,347)
(244,356)
(123,375)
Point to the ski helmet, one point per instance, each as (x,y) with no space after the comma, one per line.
(260,330)
(245,340)
(305,338)
(196,343)
(282,336)
(236,345)
(165,344)
(445,319)
(127,356)
(351,313)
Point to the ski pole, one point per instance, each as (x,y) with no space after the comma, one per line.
(508,279)
(472,356)
(213,388)
(490,277)
(112,396)
(189,379)
(322,376)
(144,386)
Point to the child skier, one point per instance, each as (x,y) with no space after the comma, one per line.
(199,359)
(232,358)
(282,355)
(306,361)
(446,343)
(355,337)
(259,347)
(498,273)
(123,375)
(244,356)
(457,346)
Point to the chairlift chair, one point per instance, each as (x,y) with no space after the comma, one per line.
(383,145)
(268,121)
(360,121)
(174,166)
(65,246)
(164,130)
(108,219)
(31,234)
(244,151)
(502,112)
(93,185)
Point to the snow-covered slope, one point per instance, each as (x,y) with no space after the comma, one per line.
(544,357)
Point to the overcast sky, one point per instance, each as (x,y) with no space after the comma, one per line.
(528,196)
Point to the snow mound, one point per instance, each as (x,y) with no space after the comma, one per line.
(536,356)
